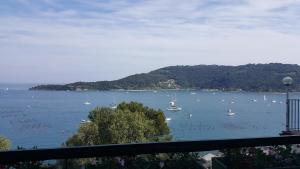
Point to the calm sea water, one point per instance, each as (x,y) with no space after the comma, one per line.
(48,118)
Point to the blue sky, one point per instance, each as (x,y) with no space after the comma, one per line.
(61,41)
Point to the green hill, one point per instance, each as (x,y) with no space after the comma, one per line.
(250,77)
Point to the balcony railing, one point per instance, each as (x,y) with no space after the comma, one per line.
(15,156)
(292,117)
(294,114)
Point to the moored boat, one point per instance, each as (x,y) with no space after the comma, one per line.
(173,106)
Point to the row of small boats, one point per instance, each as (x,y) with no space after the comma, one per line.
(174,107)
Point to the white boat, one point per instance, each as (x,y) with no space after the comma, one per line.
(173,107)
(85,121)
(113,106)
(265,98)
(193,93)
(254,100)
(168,119)
(87,103)
(190,115)
(230,113)
(273,101)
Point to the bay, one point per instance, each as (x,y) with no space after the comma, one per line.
(47,118)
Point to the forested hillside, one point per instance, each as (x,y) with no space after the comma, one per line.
(250,77)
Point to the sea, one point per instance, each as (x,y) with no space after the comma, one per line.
(46,119)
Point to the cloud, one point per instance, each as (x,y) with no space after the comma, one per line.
(96,40)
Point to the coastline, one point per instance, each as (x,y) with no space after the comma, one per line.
(157,90)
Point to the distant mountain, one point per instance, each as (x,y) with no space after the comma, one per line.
(250,77)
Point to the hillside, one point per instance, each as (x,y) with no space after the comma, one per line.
(250,77)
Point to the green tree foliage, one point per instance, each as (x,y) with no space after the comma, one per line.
(250,77)
(87,134)
(129,123)
(156,116)
(4,143)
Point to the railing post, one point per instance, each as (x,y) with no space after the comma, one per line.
(287,111)
(298,114)
(66,163)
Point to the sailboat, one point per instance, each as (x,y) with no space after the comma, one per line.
(230,113)
(265,98)
(87,103)
(87,100)
(113,106)
(173,106)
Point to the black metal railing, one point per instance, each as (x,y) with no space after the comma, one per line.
(15,156)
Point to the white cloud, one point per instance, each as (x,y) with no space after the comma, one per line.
(92,40)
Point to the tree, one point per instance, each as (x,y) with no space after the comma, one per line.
(129,123)
(86,135)
(4,143)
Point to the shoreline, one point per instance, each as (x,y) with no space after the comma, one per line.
(161,90)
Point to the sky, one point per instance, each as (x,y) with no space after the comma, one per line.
(63,41)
